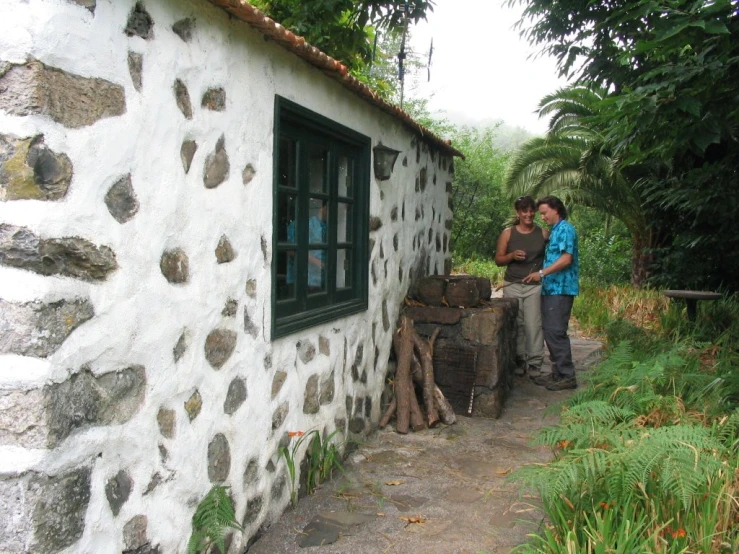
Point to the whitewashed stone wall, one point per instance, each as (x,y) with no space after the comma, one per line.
(136,366)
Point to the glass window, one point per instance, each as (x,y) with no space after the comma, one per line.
(321,235)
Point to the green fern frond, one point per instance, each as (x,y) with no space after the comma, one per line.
(213,517)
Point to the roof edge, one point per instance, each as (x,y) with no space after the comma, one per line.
(334,69)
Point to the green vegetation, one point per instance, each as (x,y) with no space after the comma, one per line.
(322,457)
(213,517)
(646,455)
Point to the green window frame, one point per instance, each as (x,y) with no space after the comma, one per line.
(320,262)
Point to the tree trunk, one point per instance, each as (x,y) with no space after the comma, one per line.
(403,384)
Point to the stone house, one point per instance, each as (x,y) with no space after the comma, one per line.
(196,257)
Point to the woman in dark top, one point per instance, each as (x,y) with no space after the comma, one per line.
(521,248)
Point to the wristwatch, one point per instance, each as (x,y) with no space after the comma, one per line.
(541,274)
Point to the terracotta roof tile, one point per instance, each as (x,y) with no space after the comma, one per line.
(333,68)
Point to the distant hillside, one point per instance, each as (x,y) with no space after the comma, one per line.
(507,137)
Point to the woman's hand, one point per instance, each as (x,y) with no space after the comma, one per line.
(518,255)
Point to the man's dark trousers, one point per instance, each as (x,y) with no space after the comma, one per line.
(555,318)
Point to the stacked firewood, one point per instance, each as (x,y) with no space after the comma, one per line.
(415,366)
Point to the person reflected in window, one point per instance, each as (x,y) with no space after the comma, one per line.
(316,258)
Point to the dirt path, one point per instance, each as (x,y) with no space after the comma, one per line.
(440,491)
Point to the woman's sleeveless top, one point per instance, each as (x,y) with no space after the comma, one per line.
(533,244)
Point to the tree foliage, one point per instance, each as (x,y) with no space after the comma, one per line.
(670,68)
(344,29)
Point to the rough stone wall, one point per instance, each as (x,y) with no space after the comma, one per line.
(135,228)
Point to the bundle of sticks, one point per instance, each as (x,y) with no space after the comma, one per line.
(415,365)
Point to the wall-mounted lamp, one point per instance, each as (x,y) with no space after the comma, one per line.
(384,161)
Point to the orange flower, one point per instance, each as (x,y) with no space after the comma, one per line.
(292,434)
(604,505)
(679,534)
(564,444)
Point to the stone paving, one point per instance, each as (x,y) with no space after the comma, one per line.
(439,491)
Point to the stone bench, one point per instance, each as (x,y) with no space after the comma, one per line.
(691,298)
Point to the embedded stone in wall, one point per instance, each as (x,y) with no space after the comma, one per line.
(310,396)
(139,23)
(70,257)
(182,96)
(58,516)
(183,28)
(367,406)
(251,472)
(326,395)
(134,534)
(278,488)
(356,425)
(230,308)
(423,178)
(193,405)
(249,326)
(121,200)
(117,490)
(219,459)
(445,241)
(394,214)
(179,349)
(306,351)
(166,419)
(214,99)
(219,345)
(154,482)
(447,266)
(89,4)
(418,213)
(438,242)
(279,415)
(324,346)
(405,161)
(84,401)
(187,152)
(482,327)
(268,361)
(382,251)
(385,317)
(248,174)
(462,293)
(29,170)
(37,329)
(253,509)
(235,396)
(418,185)
(277,381)
(36,89)
(224,251)
(374,223)
(395,242)
(251,288)
(217,165)
(175,266)
(135,69)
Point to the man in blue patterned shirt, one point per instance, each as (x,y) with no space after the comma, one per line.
(559,277)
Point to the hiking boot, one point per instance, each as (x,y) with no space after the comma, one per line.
(544,379)
(563,383)
(533,372)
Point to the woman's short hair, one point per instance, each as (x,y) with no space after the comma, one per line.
(523,202)
(554,203)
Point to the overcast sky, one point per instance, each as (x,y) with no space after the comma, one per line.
(481,69)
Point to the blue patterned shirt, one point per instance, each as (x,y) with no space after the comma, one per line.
(562,240)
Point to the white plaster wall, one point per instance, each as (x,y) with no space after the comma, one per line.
(139,315)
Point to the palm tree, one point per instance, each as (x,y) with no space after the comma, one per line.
(575,162)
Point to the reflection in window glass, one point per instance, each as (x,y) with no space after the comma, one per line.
(346,170)
(286,216)
(288,153)
(318,221)
(344,222)
(343,268)
(317,270)
(318,170)
(286,275)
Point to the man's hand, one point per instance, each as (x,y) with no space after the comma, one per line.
(532,278)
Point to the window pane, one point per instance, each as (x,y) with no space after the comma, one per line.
(286,216)
(318,169)
(344,222)
(343,268)
(318,221)
(286,275)
(288,155)
(346,171)
(317,270)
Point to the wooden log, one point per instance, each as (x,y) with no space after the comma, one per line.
(403,384)
(417,419)
(425,355)
(388,413)
(446,412)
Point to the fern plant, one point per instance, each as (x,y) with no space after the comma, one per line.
(213,517)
